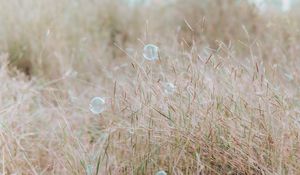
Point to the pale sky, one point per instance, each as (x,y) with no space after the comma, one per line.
(262,4)
(284,5)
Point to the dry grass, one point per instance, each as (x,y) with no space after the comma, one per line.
(236,109)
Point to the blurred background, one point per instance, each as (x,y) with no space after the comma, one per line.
(283,5)
(234,66)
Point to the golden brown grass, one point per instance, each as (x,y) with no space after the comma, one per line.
(236,109)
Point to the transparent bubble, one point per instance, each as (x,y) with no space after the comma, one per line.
(89,169)
(72,97)
(297,122)
(129,50)
(170,88)
(136,106)
(131,130)
(161,173)
(104,136)
(289,76)
(71,73)
(97,105)
(151,52)
(191,91)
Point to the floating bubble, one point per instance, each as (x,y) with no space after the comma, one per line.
(151,52)
(71,73)
(290,77)
(129,50)
(47,33)
(131,130)
(170,88)
(97,105)
(297,122)
(89,169)
(161,173)
(72,97)
(136,106)
(104,136)
(190,90)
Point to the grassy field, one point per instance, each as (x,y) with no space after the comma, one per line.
(235,110)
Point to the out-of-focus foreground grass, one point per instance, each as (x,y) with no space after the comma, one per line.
(236,109)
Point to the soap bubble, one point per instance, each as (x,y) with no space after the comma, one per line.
(170,88)
(71,73)
(161,173)
(89,169)
(72,97)
(151,52)
(290,77)
(97,105)
(131,130)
